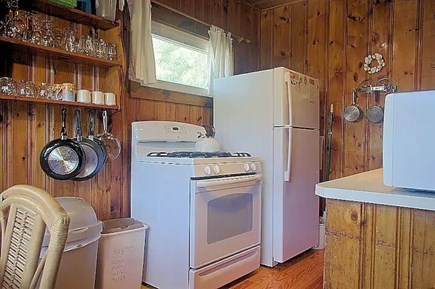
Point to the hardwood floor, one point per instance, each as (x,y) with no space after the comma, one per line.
(302,272)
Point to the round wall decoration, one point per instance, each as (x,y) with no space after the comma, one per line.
(368,63)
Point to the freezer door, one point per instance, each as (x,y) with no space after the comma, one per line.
(295,206)
(296,99)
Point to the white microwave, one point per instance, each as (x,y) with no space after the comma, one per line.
(409,140)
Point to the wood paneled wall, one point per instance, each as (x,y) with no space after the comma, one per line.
(330,39)
(26,128)
(235,16)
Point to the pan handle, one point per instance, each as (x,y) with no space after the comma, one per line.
(354,96)
(78,124)
(91,124)
(105,122)
(63,134)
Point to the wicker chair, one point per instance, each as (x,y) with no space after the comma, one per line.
(25,213)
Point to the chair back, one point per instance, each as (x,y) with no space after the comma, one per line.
(25,213)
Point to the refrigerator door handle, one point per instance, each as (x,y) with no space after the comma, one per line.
(288,84)
(289,156)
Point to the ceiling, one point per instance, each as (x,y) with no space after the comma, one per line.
(265,4)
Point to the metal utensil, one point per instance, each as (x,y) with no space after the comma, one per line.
(111,143)
(375,113)
(94,150)
(62,158)
(353,112)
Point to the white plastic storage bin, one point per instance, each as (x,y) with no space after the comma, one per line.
(79,260)
(106,9)
(121,254)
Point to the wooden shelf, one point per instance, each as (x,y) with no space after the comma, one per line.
(57,102)
(56,53)
(71,14)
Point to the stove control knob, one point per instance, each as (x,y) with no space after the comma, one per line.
(216,169)
(207,170)
(247,168)
(253,167)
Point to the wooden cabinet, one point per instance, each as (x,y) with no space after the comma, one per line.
(377,237)
(371,246)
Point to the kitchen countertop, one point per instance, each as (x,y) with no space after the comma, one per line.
(368,187)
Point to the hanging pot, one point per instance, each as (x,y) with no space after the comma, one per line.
(353,112)
(375,113)
(94,150)
(111,143)
(62,158)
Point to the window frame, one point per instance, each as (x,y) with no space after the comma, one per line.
(187,39)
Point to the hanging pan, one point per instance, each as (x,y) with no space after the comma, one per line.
(62,158)
(375,113)
(94,150)
(111,143)
(353,112)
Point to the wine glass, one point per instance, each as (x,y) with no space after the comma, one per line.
(15,27)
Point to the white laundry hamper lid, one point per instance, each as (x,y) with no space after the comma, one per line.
(84,228)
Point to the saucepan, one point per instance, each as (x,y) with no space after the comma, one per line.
(375,113)
(353,112)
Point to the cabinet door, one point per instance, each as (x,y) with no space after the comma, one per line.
(378,247)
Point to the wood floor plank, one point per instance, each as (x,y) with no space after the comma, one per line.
(302,272)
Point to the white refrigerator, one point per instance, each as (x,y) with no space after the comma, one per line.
(274,115)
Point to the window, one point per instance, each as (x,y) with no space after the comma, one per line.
(181,60)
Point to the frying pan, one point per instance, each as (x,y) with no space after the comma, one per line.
(62,158)
(353,112)
(111,143)
(94,150)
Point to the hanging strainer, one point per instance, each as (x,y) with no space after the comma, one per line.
(111,143)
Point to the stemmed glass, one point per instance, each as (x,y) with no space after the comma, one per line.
(14,27)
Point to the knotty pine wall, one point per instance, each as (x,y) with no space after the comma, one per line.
(329,40)
(26,128)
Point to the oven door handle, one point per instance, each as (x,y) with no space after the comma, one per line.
(241,181)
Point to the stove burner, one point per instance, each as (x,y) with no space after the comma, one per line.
(197,154)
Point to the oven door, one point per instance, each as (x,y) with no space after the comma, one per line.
(224,217)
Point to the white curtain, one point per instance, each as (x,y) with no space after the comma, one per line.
(221,55)
(142,64)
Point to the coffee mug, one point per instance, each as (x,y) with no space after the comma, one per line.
(83,95)
(97,97)
(109,98)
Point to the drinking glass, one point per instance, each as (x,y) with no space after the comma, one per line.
(111,51)
(47,33)
(89,46)
(100,48)
(15,25)
(8,86)
(35,29)
(69,40)
(26,88)
(44,91)
(81,44)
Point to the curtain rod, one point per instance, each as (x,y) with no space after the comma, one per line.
(238,38)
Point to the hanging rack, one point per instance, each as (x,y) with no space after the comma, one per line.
(381,86)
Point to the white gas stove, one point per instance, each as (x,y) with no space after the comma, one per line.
(174,143)
(202,208)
